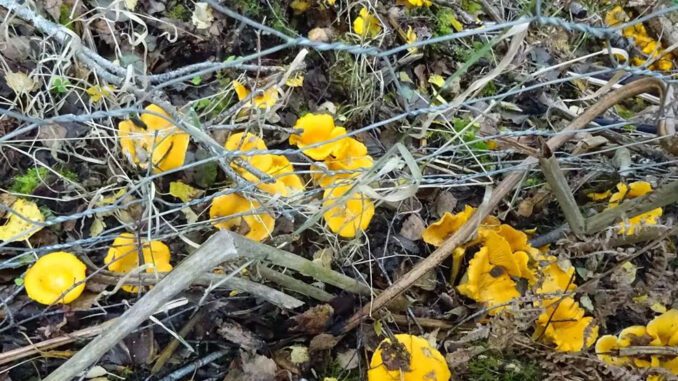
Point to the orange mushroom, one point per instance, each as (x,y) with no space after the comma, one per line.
(346,214)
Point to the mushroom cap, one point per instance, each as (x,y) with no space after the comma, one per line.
(351,155)
(664,329)
(501,254)
(436,233)
(16,228)
(486,283)
(563,323)
(166,143)
(245,141)
(605,349)
(123,255)
(366,24)
(260,225)
(555,279)
(346,217)
(286,182)
(425,363)
(267,99)
(53,278)
(316,129)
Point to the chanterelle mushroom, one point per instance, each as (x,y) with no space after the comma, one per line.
(412,358)
(57,277)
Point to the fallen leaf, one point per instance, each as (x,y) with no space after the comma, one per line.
(96,371)
(257,367)
(20,82)
(98,226)
(97,93)
(52,136)
(314,320)
(131,4)
(296,80)
(53,7)
(445,202)
(202,16)
(348,359)
(183,192)
(324,257)
(17,228)
(437,80)
(322,342)
(237,334)
(412,227)
(299,354)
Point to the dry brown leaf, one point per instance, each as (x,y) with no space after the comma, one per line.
(412,227)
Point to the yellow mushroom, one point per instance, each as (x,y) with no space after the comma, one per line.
(164,141)
(123,256)
(436,233)
(633,190)
(346,217)
(664,329)
(267,99)
(286,182)
(257,226)
(350,155)
(21,221)
(411,358)
(316,131)
(57,277)
(245,141)
(486,283)
(563,323)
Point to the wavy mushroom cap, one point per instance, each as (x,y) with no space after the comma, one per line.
(486,283)
(286,181)
(267,99)
(259,226)
(316,129)
(245,141)
(57,277)
(413,359)
(563,323)
(346,217)
(165,142)
(664,329)
(436,233)
(123,255)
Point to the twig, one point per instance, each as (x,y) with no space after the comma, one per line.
(174,344)
(256,250)
(266,293)
(217,249)
(29,350)
(559,186)
(293,284)
(664,195)
(506,185)
(180,373)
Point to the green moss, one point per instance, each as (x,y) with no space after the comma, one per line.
(445,17)
(496,368)
(179,12)
(30,180)
(33,177)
